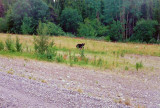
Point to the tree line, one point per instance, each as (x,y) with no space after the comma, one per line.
(115,20)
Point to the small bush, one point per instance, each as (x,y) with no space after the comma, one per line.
(10,44)
(18,45)
(49,29)
(26,27)
(59,58)
(144,30)
(82,53)
(115,31)
(126,68)
(51,51)
(139,65)
(99,62)
(1,45)
(3,25)
(107,38)
(41,44)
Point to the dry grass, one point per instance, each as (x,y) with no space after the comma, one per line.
(92,45)
(106,55)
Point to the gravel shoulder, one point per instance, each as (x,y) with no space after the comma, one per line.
(34,84)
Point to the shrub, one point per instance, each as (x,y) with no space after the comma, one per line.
(51,51)
(82,53)
(115,31)
(59,58)
(144,30)
(1,45)
(3,25)
(18,45)
(86,30)
(41,44)
(139,65)
(92,28)
(107,38)
(36,9)
(50,29)
(10,44)
(70,19)
(26,26)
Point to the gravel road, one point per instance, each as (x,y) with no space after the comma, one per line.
(34,84)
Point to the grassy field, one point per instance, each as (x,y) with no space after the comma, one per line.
(98,54)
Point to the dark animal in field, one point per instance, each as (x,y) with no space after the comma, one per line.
(80,46)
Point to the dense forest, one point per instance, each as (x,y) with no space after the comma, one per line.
(114,20)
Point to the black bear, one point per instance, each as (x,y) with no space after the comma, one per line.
(80,46)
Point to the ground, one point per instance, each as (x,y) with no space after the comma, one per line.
(31,83)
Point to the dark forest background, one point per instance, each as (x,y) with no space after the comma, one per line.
(112,20)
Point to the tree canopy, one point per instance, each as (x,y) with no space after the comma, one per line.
(118,19)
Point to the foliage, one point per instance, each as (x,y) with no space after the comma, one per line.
(1,45)
(107,38)
(50,28)
(144,30)
(1,9)
(70,19)
(10,44)
(18,45)
(115,31)
(3,25)
(89,18)
(26,26)
(41,44)
(51,51)
(91,28)
(139,65)
(86,30)
(35,9)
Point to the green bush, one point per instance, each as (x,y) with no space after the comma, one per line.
(42,29)
(26,26)
(107,38)
(51,51)
(35,9)
(50,29)
(70,19)
(18,45)
(10,44)
(144,30)
(92,28)
(1,45)
(41,44)
(86,30)
(3,25)
(115,31)
(139,65)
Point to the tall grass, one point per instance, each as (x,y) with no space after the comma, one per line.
(98,54)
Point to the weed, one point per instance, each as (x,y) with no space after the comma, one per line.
(139,65)
(127,102)
(70,59)
(126,68)
(1,45)
(10,44)
(43,81)
(82,53)
(99,62)
(123,53)
(10,72)
(59,58)
(30,77)
(18,45)
(80,90)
